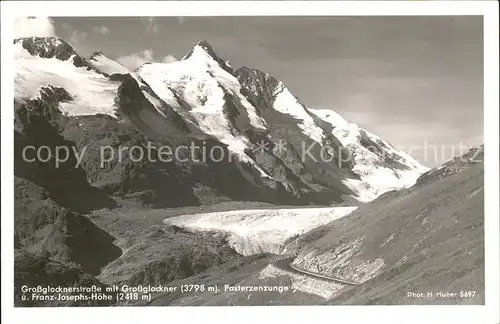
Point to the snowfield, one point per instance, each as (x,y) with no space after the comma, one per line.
(201,83)
(286,103)
(106,65)
(261,230)
(92,92)
(375,174)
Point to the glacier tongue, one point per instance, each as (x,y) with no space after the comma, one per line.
(260,230)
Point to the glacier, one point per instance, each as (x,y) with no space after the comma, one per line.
(260,230)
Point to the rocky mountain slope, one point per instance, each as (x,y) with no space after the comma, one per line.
(428,238)
(274,147)
(32,270)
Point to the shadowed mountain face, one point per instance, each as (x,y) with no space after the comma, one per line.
(43,227)
(39,123)
(33,270)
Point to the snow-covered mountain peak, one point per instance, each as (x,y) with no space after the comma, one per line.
(51,62)
(106,65)
(203,54)
(378,163)
(265,92)
(47,47)
(207,47)
(96,54)
(240,109)
(332,117)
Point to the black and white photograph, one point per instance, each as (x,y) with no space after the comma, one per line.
(204,160)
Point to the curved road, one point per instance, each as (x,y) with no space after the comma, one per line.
(285,263)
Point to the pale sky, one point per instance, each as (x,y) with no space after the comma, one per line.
(410,80)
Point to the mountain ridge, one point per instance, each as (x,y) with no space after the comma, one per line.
(202,98)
